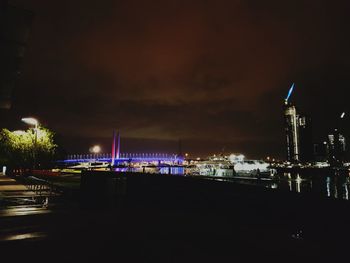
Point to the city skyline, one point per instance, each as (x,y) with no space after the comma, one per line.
(210,78)
(174,130)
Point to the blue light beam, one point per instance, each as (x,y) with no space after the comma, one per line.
(290,92)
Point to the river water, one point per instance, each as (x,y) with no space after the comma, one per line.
(326,184)
(333,184)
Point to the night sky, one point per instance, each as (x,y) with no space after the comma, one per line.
(211,73)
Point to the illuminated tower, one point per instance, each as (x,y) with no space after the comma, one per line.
(117,152)
(115,147)
(292,129)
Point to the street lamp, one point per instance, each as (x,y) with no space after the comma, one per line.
(31,121)
(35,123)
(96,149)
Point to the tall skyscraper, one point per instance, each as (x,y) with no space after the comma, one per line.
(292,132)
(298,133)
(14,30)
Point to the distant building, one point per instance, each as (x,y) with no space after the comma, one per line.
(337,148)
(14,30)
(321,151)
(305,139)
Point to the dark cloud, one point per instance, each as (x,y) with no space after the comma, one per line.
(209,72)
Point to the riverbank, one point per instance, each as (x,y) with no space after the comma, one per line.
(150,218)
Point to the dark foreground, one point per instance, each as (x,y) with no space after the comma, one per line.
(177,219)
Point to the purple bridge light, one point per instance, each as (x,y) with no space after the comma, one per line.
(117,157)
(124,157)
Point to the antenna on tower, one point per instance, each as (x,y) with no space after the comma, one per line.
(115,147)
(289,93)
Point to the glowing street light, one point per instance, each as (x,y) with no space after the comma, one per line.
(96,149)
(31,121)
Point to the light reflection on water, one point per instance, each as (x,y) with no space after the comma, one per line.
(174,170)
(332,185)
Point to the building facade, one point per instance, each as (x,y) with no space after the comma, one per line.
(305,139)
(337,148)
(292,132)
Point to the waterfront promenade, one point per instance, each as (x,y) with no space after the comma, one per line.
(179,219)
(8,184)
(11,190)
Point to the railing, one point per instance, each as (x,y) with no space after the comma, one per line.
(40,187)
(124,156)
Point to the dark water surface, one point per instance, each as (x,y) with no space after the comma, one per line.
(331,184)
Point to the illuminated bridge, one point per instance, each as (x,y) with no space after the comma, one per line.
(116,156)
(125,157)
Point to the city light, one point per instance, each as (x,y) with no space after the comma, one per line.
(342,115)
(96,149)
(236,158)
(31,121)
